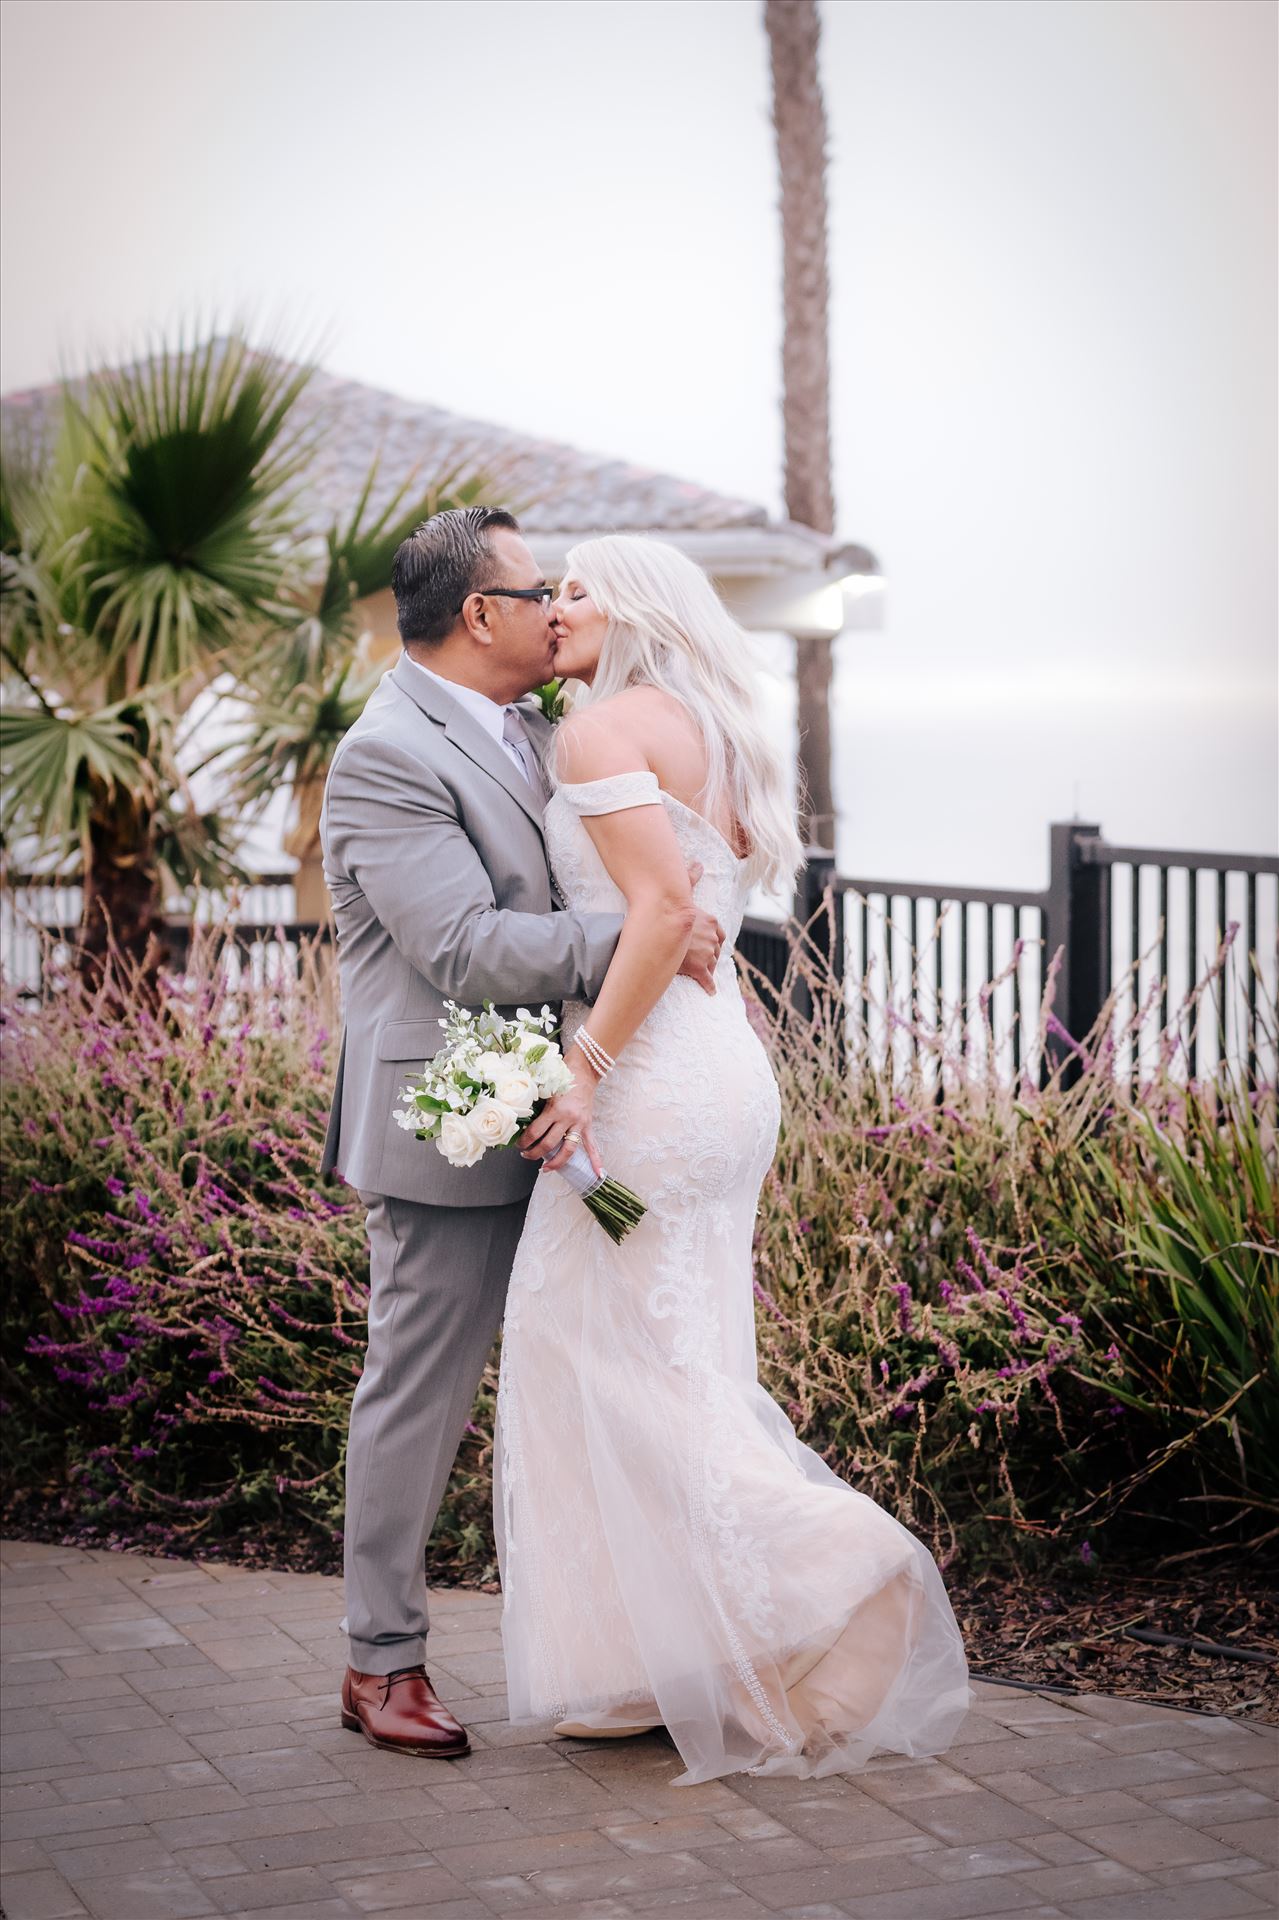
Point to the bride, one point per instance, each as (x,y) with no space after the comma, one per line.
(671,1553)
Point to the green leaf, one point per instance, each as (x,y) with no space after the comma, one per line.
(292,739)
(358,563)
(55,767)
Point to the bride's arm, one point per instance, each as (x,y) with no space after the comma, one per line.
(637,845)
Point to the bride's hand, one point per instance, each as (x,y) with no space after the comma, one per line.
(545,1138)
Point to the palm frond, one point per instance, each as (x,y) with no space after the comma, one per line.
(55,767)
(367,545)
(359,557)
(292,739)
(185,479)
(198,848)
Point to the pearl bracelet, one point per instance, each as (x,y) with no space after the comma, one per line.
(602,1062)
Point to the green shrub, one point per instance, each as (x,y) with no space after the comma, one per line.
(1180,1212)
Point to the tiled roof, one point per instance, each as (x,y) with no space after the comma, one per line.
(553,486)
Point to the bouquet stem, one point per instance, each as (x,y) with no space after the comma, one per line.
(616,1208)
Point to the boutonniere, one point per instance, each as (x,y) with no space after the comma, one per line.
(553,700)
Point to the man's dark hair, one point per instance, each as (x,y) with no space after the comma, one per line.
(442,561)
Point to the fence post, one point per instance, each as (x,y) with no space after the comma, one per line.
(1078,927)
(826,931)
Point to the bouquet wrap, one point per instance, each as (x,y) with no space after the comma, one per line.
(581,1175)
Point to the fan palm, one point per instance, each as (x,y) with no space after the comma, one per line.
(154,549)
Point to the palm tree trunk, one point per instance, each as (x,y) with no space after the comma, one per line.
(121,888)
(799,118)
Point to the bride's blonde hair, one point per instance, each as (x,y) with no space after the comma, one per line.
(668,628)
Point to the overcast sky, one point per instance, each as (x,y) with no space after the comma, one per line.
(1053,330)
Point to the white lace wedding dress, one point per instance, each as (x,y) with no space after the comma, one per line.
(670,1551)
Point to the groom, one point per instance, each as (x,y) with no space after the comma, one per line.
(436,863)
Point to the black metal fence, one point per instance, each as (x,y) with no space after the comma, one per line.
(927,960)
(39,919)
(1144,925)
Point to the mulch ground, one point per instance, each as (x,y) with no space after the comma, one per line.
(1078,1634)
(1073,1631)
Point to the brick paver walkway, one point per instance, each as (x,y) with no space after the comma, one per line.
(171,1748)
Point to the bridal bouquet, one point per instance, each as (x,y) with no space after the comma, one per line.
(486,1083)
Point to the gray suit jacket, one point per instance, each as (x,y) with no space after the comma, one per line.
(436,863)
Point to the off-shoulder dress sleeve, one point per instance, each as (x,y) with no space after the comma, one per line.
(612,794)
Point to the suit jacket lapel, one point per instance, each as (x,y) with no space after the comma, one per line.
(468,736)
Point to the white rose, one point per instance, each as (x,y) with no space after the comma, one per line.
(517,1089)
(458,1141)
(487,1066)
(494,1122)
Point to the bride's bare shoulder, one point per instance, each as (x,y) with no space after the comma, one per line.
(604,738)
(616,735)
(644,714)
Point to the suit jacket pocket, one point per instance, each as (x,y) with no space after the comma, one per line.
(409,1040)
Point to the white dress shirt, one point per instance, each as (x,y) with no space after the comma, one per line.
(490,715)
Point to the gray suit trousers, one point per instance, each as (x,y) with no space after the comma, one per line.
(438,1278)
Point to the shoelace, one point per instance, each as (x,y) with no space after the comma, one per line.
(401,1673)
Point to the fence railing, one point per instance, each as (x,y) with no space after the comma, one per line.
(35,911)
(1147,925)
(927,960)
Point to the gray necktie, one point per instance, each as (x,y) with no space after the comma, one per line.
(515,734)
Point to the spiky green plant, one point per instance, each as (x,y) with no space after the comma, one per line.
(1179,1226)
(153,554)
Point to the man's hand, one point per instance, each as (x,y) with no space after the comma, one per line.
(704,946)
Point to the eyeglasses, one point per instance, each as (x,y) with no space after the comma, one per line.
(544,594)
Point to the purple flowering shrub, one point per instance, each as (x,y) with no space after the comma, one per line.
(185,1320)
(1002,1310)
(185,1325)
(1005,1309)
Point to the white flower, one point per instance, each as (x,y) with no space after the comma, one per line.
(493,1122)
(458,1141)
(409,1121)
(487,1066)
(553,1075)
(516,1089)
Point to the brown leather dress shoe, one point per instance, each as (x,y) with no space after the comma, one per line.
(399,1711)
